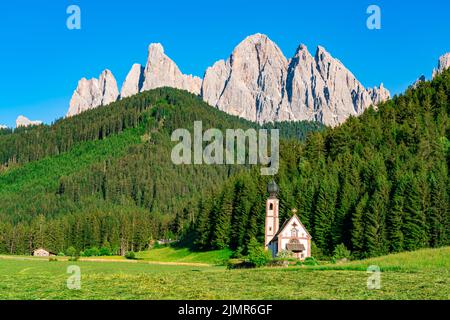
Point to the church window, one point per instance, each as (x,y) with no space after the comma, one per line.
(271,206)
(294,233)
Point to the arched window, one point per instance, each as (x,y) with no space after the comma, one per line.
(294,233)
(271,206)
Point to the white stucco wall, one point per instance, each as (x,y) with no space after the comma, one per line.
(286,235)
(41,253)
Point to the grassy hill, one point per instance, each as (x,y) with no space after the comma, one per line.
(404,276)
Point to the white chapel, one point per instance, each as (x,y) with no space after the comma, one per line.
(292,236)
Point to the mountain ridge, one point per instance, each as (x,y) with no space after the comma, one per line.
(257,82)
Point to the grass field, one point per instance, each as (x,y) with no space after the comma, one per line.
(423,274)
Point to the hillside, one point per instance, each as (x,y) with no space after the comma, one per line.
(105,177)
(378,183)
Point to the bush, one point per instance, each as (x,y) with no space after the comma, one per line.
(238,264)
(61,254)
(52,259)
(310,261)
(74,258)
(278,262)
(92,252)
(285,254)
(317,252)
(257,255)
(130,255)
(341,253)
(71,252)
(104,251)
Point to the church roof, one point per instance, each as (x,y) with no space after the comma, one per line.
(285,224)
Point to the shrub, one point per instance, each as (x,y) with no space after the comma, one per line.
(238,264)
(317,252)
(341,253)
(52,259)
(310,261)
(74,258)
(130,255)
(285,254)
(104,251)
(278,262)
(92,252)
(95,252)
(61,254)
(257,255)
(71,252)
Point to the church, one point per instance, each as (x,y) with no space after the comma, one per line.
(292,236)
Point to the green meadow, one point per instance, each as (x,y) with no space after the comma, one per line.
(423,274)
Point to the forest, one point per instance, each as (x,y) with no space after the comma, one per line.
(378,184)
(105,178)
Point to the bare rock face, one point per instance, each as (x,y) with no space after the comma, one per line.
(22,121)
(250,83)
(443,64)
(133,82)
(92,93)
(419,80)
(258,83)
(161,71)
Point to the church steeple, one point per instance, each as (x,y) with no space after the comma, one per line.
(272,214)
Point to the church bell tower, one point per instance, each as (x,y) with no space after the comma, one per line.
(272,217)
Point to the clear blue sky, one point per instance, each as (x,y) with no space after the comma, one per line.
(41,60)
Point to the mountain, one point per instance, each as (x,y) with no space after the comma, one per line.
(3,127)
(379,183)
(256,83)
(93,93)
(443,64)
(133,82)
(106,176)
(161,71)
(22,121)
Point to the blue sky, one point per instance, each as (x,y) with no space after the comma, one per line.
(41,60)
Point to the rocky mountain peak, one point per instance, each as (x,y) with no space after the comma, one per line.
(92,93)
(443,64)
(23,121)
(256,82)
(134,81)
(161,71)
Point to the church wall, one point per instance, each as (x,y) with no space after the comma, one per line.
(302,236)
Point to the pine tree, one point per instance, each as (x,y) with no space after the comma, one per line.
(357,237)
(414,226)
